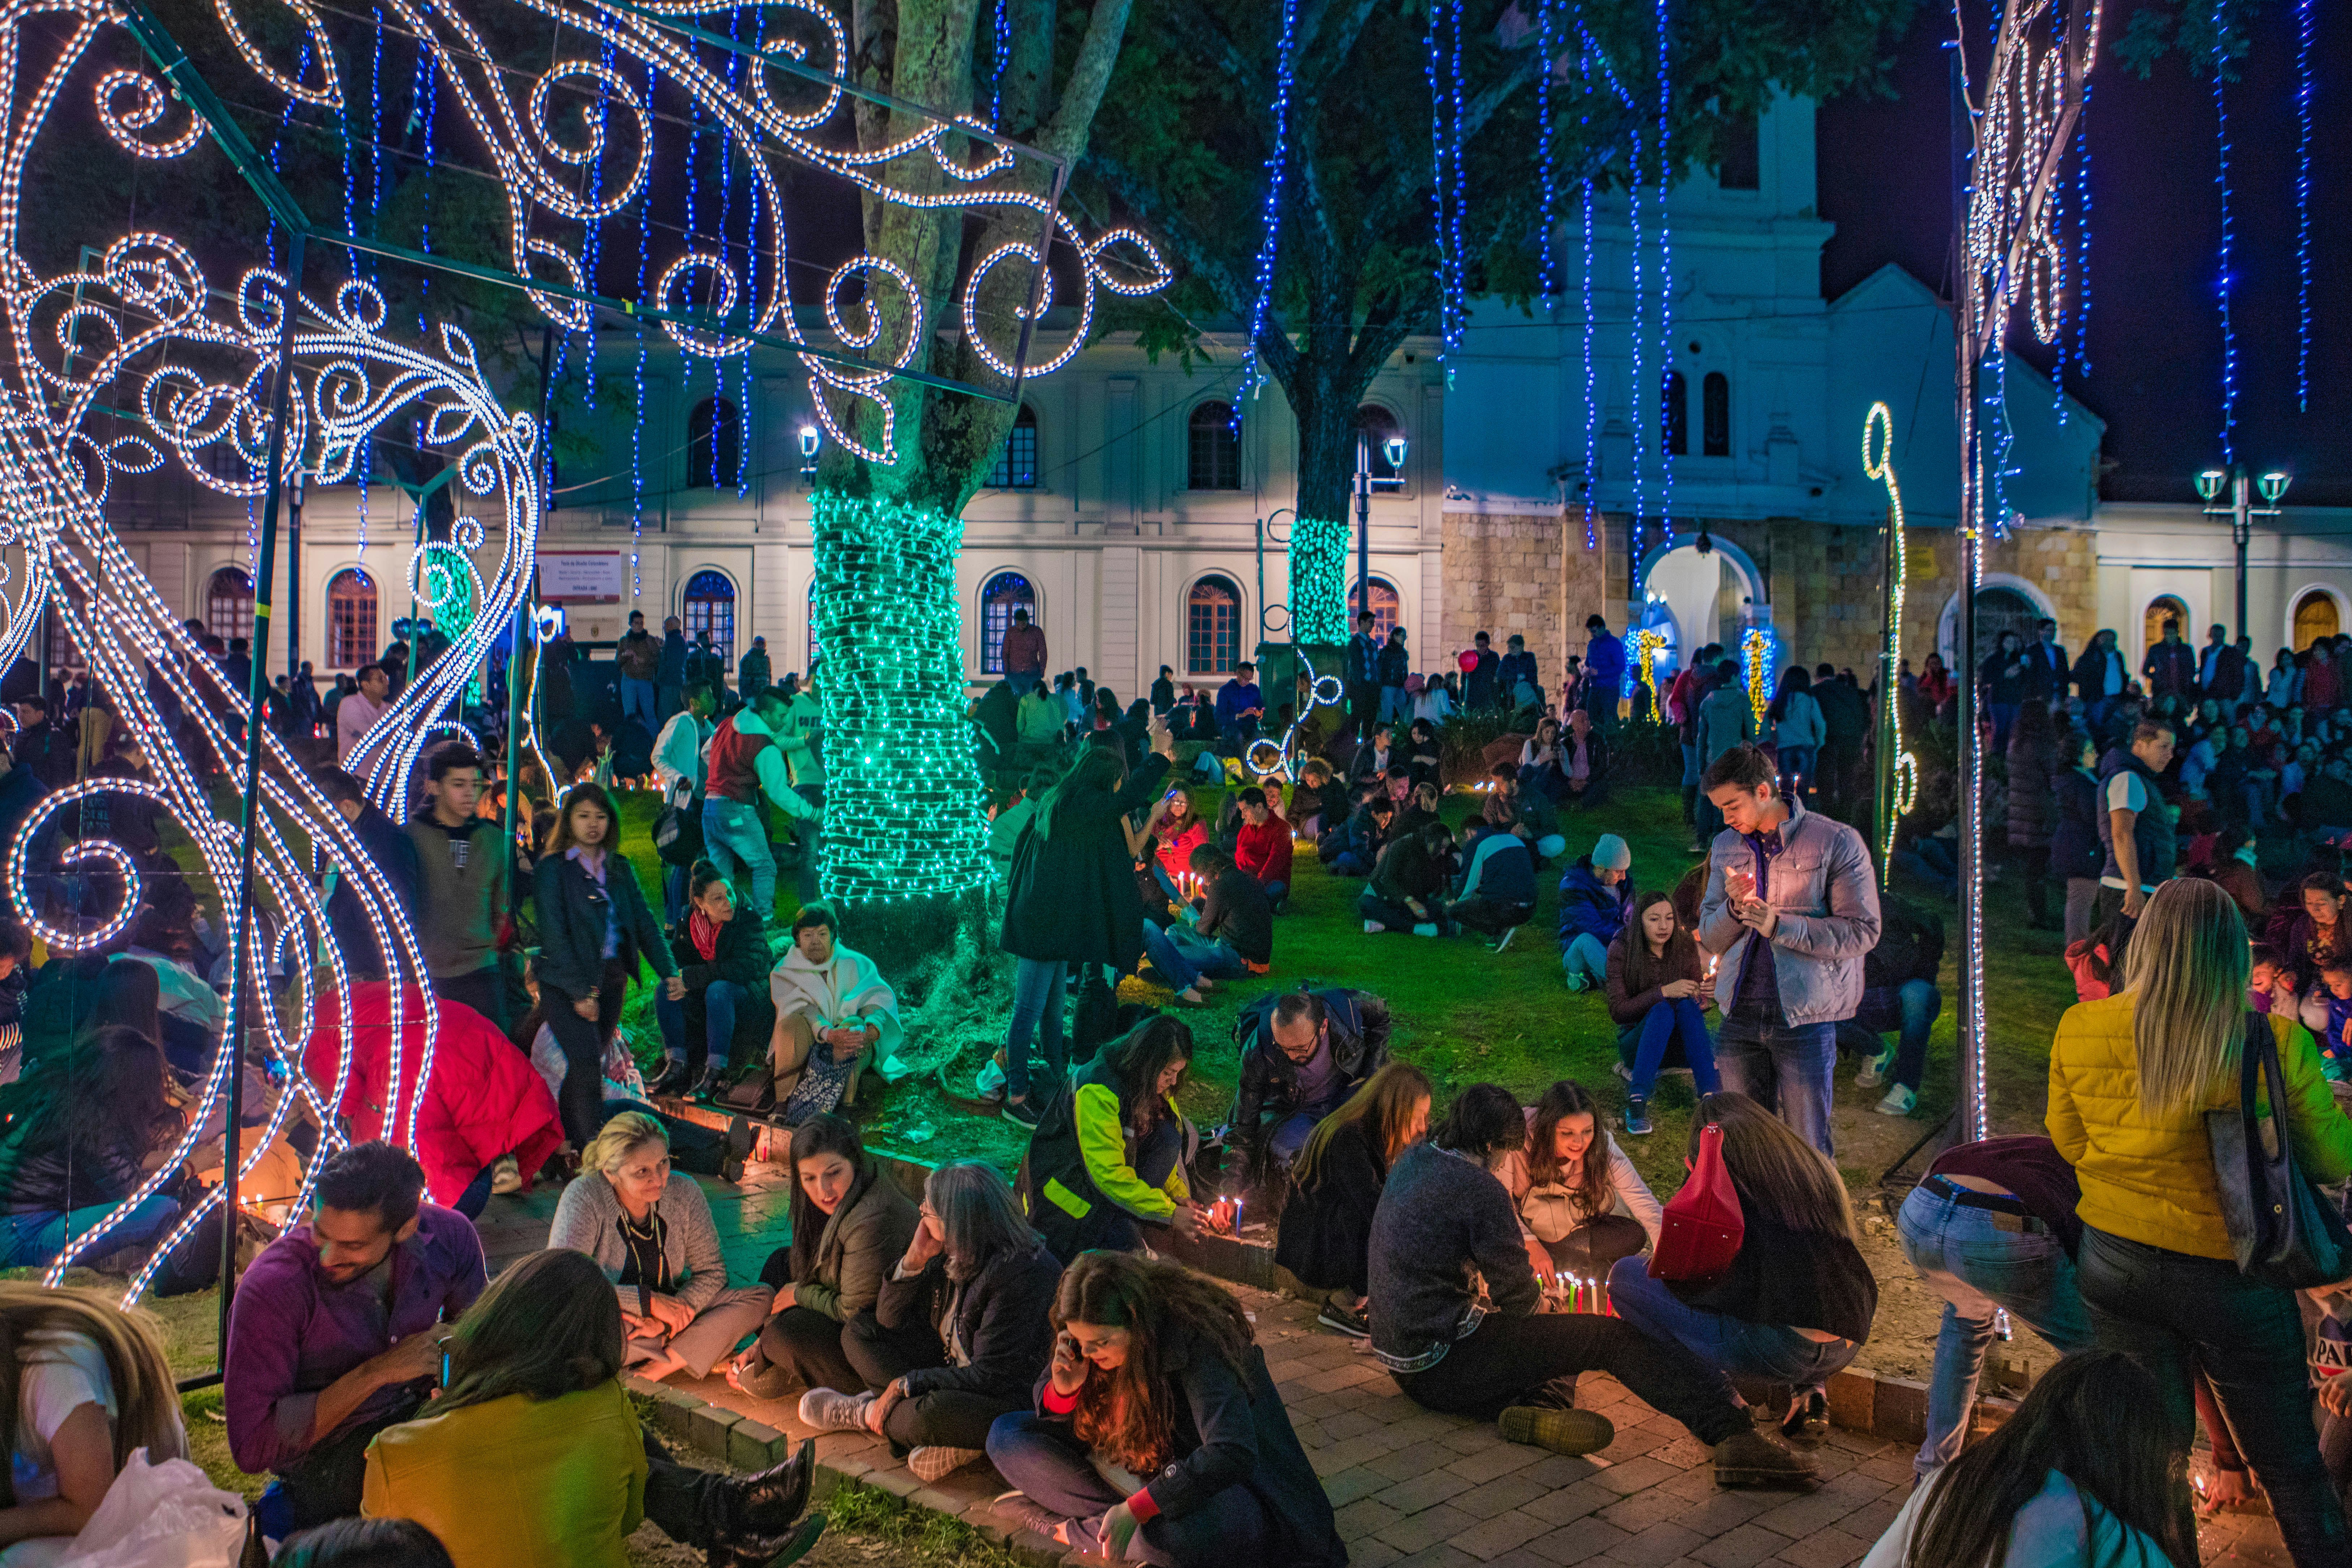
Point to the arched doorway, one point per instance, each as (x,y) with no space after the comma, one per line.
(1707,593)
(1213,626)
(2315,616)
(2004,604)
(228,604)
(2160,609)
(998,597)
(710,606)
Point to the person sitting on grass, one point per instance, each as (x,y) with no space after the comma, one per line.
(1373,758)
(1528,813)
(89,1386)
(1442,1216)
(533,1453)
(1497,894)
(1899,993)
(1177,833)
(1302,1053)
(1423,758)
(1107,1156)
(1356,848)
(1158,1417)
(1261,847)
(959,1333)
(650,1229)
(1658,996)
(1576,1191)
(1229,936)
(721,948)
(1403,891)
(830,994)
(850,1224)
(1325,1237)
(1320,803)
(1797,1302)
(1596,899)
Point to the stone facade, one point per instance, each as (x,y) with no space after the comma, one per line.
(1503,573)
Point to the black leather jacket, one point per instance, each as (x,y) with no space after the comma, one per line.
(1268,1093)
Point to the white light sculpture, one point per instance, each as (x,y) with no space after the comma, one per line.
(1903,769)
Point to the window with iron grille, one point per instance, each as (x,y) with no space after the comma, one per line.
(1005,593)
(1388,608)
(711,607)
(1212,628)
(1016,461)
(351,619)
(714,444)
(1216,451)
(228,604)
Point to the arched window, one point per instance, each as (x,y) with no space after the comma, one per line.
(1387,607)
(2315,618)
(710,607)
(2161,610)
(1376,425)
(1674,414)
(714,444)
(1216,451)
(228,604)
(1212,628)
(1005,593)
(1016,461)
(1715,403)
(351,619)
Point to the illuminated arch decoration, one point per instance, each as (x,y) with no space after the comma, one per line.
(1759,650)
(1264,757)
(1879,463)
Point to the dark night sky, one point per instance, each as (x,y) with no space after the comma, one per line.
(2155,332)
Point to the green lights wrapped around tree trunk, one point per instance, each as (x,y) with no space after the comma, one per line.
(1318,580)
(902,807)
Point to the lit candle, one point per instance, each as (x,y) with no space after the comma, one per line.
(1238,1216)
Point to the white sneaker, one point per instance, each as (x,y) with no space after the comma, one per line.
(830,1410)
(1899,1101)
(1373,928)
(506,1176)
(1874,1070)
(930,1463)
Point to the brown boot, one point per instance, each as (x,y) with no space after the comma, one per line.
(1749,1458)
(1561,1431)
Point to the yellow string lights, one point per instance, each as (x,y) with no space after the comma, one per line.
(1878,462)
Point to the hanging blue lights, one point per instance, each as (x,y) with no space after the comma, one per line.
(1277,161)
(1548,270)
(1665,274)
(638,427)
(2304,12)
(1592,401)
(2223,281)
(2083,236)
(997,58)
(1641,397)
(1461,201)
(1437,189)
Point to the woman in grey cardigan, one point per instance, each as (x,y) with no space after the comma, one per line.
(650,1229)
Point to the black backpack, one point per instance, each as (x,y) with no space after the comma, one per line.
(678,832)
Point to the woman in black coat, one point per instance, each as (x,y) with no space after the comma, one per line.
(960,1331)
(587,895)
(1157,1414)
(1423,756)
(1325,1235)
(2033,803)
(2074,852)
(725,1018)
(1073,899)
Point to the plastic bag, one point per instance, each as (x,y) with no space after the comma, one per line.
(161,1516)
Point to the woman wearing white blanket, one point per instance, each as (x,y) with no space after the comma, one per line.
(835,1016)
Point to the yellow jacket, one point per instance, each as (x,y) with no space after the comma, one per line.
(2150,1180)
(517,1482)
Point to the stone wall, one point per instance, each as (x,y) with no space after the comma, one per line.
(1503,575)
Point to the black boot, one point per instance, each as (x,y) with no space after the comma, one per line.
(670,1080)
(737,1149)
(764,1551)
(705,1087)
(768,1503)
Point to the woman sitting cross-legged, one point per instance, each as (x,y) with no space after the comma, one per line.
(2083,1473)
(1499,1357)
(1576,1191)
(1658,996)
(959,1333)
(1107,1156)
(532,1457)
(1157,1435)
(851,1225)
(650,1229)
(1327,1226)
(832,997)
(1797,1300)
(725,1017)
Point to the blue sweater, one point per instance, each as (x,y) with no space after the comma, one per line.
(1499,869)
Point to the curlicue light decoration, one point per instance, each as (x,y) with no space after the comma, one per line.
(2022,112)
(1318,580)
(1760,648)
(1901,771)
(1266,757)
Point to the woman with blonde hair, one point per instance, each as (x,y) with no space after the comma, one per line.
(1326,1234)
(648,1227)
(86,1385)
(2131,1078)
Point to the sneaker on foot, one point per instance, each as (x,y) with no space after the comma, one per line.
(1346,1319)
(1621,1070)
(1899,1101)
(1580,983)
(1373,928)
(1561,1431)
(1874,1070)
(830,1410)
(1637,1116)
(1751,1459)
(1021,1113)
(932,1462)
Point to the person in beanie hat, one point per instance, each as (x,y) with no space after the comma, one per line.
(1596,898)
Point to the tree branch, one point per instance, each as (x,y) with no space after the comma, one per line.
(1066,134)
(1141,197)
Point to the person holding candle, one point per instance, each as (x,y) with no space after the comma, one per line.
(1325,1237)
(1576,1192)
(1797,1302)
(1444,1214)
(1175,835)
(1107,1156)
(1659,991)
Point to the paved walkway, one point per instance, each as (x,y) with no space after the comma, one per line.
(1413,1489)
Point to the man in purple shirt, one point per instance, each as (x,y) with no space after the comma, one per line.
(336,1331)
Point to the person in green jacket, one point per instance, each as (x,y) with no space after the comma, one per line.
(1109,1156)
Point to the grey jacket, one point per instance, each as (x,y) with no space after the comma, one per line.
(588,1219)
(1727,719)
(1826,891)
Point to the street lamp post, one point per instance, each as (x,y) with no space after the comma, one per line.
(2242,512)
(1392,449)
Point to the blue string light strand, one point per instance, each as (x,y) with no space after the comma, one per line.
(1592,400)
(1643,399)
(1548,270)
(1277,163)
(1665,272)
(2304,19)
(1437,186)
(1460,194)
(2222,279)
(2083,236)
(998,55)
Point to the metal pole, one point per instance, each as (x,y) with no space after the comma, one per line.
(294,577)
(1969,351)
(246,973)
(2241,527)
(1363,526)
(523,620)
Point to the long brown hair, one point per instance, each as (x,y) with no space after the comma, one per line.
(547,1326)
(1680,960)
(134,1348)
(1595,1192)
(1384,1105)
(1778,1174)
(1129,1414)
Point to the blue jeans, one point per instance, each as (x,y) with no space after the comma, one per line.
(637,702)
(810,835)
(1772,1352)
(1275,891)
(1044,1459)
(1784,1067)
(1797,763)
(1348,863)
(719,1001)
(30,1239)
(1587,957)
(673,894)
(1182,957)
(1021,680)
(1911,1007)
(1978,1268)
(733,838)
(1038,988)
(1690,766)
(1665,1022)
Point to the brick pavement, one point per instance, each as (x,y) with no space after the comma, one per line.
(1411,1489)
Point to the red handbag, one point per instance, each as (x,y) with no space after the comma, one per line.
(1703,1228)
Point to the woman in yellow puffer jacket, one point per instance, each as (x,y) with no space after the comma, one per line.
(2131,1078)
